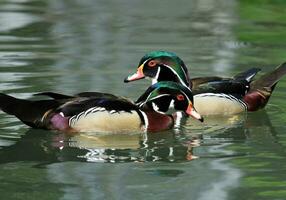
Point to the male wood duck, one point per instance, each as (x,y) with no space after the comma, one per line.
(102,112)
(212,95)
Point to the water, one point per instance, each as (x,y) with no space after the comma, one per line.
(75,46)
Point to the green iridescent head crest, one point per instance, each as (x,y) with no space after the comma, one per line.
(165,88)
(171,61)
(157,54)
(166,96)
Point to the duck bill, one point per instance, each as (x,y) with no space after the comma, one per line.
(193,113)
(138,75)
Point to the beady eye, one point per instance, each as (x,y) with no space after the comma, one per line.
(152,63)
(180,97)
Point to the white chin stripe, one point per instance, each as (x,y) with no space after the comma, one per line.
(154,81)
(155,107)
(172,105)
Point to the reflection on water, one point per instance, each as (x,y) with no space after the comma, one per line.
(229,179)
(58,152)
(8,22)
(75,46)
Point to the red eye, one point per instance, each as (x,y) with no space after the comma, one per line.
(152,63)
(180,97)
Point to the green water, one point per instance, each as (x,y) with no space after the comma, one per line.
(74,46)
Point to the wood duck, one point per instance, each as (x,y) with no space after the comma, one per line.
(212,95)
(102,112)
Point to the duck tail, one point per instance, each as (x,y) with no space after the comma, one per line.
(262,88)
(247,75)
(29,112)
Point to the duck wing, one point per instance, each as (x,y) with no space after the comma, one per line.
(84,105)
(239,84)
(54,95)
(37,114)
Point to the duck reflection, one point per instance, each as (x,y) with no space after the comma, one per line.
(46,147)
(176,145)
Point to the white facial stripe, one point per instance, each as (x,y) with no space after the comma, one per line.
(184,72)
(182,82)
(146,61)
(155,80)
(186,95)
(156,97)
(147,99)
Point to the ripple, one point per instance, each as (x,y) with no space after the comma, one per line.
(14,39)
(8,22)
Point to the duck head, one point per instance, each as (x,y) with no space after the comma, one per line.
(161,66)
(166,96)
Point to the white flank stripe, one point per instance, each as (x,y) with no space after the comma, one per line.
(88,111)
(95,109)
(79,115)
(112,111)
(71,120)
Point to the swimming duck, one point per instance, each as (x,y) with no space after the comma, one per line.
(212,95)
(103,112)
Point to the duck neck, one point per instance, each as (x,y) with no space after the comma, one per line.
(167,74)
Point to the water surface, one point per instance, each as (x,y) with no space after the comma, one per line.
(75,46)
